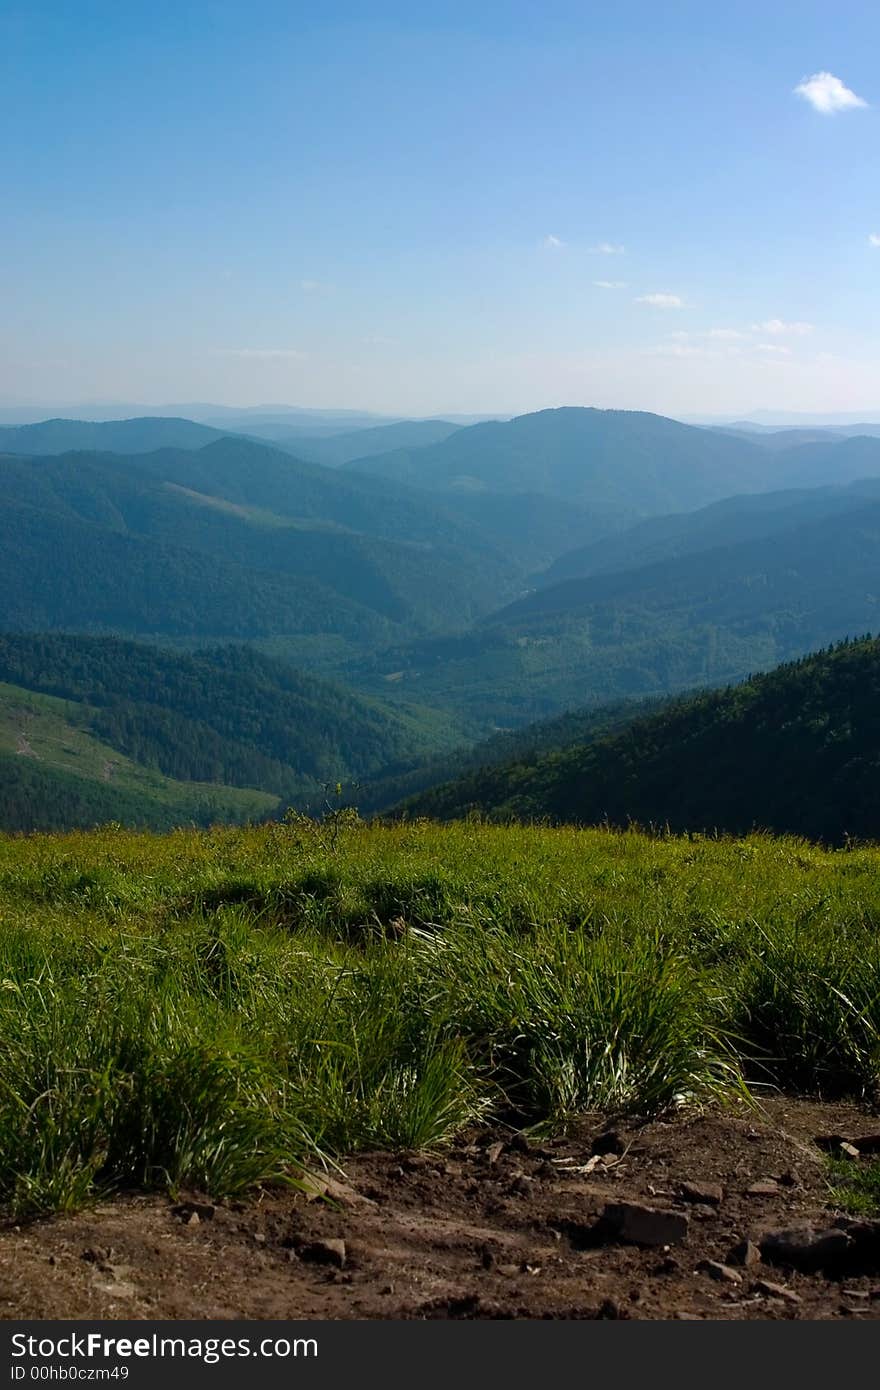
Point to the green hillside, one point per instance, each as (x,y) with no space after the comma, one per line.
(795,751)
(55,774)
(699,620)
(234,540)
(98,729)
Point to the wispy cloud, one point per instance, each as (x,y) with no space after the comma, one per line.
(264,354)
(314,286)
(661,301)
(610,284)
(607,248)
(777,348)
(552,243)
(729,335)
(874,239)
(826,93)
(778,328)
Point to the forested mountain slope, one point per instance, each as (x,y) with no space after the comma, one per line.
(796,750)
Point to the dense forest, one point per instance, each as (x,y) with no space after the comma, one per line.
(796,750)
(213,722)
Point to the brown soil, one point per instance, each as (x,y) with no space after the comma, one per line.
(474,1233)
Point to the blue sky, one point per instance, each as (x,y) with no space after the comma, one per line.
(454,207)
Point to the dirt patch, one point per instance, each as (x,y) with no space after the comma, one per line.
(495,1228)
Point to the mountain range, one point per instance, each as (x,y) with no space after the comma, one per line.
(463,583)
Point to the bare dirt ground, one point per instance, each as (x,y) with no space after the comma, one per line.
(494,1228)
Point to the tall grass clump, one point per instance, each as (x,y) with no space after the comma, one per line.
(808,1006)
(564,1022)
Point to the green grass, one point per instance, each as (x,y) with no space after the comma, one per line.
(218,1008)
(855,1186)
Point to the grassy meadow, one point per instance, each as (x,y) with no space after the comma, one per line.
(215,1008)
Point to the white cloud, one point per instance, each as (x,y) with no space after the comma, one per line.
(874,239)
(610,284)
(773,347)
(661,301)
(777,327)
(264,354)
(729,335)
(607,248)
(552,243)
(314,286)
(826,93)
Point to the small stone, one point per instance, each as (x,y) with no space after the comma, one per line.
(765,1187)
(203,1210)
(193,1219)
(861,1294)
(746,1253)
(643,1225)
(494,1152)
(509,1270)
(518,1143)
(708,1194)
(849,1150)
(609,1142)
(764,1286)
(723,1273)
(324,1252)
(790,1178)
(259,1237)
(521,1186)
(316,1186)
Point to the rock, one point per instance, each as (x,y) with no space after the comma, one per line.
(202,1211)
(518,1143)
(121,1288)
(806,1247)
(867,1143)
(861,1294)
(323,1252)
(259,1237)
(521,1186)
(790,1178)
(831,1142)
(642,1225)
(316,1186)
(849,1150)
(764,1286)
(609,1142)
(765,1187)
(494,1152)
(746,1253)
(509,1271)
(723,1273)
(707,1194)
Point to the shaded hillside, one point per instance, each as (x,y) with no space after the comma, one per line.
(133,733)
(735,519)
(614,461)
(116,436)
(372,572)
(698,620)
(796,750)
(337,449)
